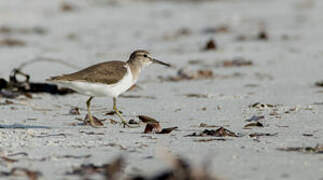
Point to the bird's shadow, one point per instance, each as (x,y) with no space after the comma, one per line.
(22,126)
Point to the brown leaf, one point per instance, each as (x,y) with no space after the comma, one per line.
(12,42)
(237,62)
(110,113)
(223,132)
(255,124)
(65,7)
(113,121)
(210,45)
(28,95)
(97,122)
(9,160)
(152,128)
(147,119)
(196,95)
(167,130)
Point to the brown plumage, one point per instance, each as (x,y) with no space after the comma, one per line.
(106,73)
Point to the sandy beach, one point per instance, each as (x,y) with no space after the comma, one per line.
(256,80)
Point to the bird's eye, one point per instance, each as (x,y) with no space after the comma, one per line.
(145,55)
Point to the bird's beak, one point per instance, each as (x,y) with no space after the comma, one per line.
(160,62)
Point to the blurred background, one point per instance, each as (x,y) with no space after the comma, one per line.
(84,32)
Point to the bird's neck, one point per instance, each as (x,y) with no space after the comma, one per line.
(135,68)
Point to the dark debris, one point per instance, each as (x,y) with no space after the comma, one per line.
(220,132)
(14,172)
(210,45)
(318,149)
(13,88)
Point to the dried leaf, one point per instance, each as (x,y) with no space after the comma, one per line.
(12,42)
(97,122)
(147,119)
(167,130)
(152,128)
(113,121)
(210,45)
(255,124)
(196,95)
(65,7)
(110,113)
(237,62)
(9,160)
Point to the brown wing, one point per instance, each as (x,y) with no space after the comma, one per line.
(107,72)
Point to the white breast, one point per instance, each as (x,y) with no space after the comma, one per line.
(99,89)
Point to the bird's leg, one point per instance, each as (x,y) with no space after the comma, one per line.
(124,122)
(88,104)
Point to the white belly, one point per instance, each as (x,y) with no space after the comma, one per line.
(99,89)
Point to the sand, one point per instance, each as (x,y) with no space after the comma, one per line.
(284,70)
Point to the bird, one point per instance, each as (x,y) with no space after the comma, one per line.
(107,79)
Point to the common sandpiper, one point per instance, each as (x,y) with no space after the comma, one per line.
(107,79)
